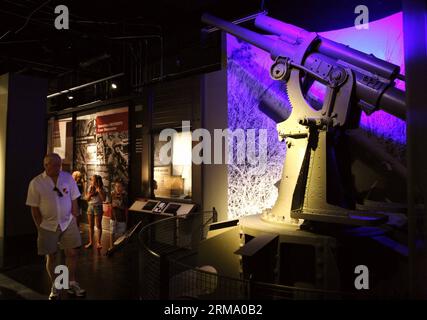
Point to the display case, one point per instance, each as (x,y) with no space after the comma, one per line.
(173,176)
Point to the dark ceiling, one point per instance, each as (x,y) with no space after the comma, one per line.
(109,37)
(28,37)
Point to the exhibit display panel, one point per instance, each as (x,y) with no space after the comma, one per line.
(172,171)
(61,140)
(94,143)
(102,142)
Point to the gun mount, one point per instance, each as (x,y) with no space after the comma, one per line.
(315,180)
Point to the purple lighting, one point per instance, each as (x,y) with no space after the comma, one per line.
(384,39)
(249,80)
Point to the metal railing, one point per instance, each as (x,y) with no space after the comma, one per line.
(168,252)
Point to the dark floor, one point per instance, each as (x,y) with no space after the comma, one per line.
(103,277)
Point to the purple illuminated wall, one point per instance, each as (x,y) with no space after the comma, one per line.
(384,39)
(249,191)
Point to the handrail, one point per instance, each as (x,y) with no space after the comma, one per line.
(277,288)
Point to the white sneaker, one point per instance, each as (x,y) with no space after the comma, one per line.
(76,290)
(54,293)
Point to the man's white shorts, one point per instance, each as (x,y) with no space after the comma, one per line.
(48,241)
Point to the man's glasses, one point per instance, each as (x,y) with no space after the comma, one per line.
(58,192)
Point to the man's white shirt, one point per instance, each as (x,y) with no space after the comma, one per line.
(55,210)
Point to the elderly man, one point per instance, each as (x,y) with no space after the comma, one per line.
(53,196)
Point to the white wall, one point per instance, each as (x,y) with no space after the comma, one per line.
(215,116)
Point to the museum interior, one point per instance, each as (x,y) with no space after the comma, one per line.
(268,150)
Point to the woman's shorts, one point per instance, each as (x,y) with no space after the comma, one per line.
(96,210)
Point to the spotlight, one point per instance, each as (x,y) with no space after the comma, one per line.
(113,86)
(70,97)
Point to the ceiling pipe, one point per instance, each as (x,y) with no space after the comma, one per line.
(84,85)
(94,60)
(147,37)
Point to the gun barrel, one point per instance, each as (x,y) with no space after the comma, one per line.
(254,38)
(359,59)
(279,28)
(392,100)
(331,48)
